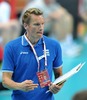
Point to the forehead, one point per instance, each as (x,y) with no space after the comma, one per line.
(37,18)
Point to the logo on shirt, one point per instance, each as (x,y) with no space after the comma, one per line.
(41,57)
(23,52)
(47,54)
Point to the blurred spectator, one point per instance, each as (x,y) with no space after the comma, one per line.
(56,18)
(82,26)
(4,17)
(72,41)
(5,10)
(78,9)
(82,95)
(72,7)
(9,28)
(83,9)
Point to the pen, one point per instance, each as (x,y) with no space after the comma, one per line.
(47,91)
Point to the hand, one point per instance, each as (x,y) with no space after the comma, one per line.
(55,88)
(28,85)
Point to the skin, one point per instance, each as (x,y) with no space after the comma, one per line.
(56,88)
(48,2)
(26,85)
(35,28)
(34,32)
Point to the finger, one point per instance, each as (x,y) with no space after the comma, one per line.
(57,87)
(28,81)
(28,89)
(32,85)
(61,83)
(50,84)
(54,91)
(54,88)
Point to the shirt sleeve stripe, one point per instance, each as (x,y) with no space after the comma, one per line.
(57,67)
(7,71)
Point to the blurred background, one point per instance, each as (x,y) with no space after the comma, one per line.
(66,21)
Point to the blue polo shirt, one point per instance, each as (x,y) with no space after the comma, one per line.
(20,60)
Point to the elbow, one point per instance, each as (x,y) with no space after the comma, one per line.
(4,83)
(6,79)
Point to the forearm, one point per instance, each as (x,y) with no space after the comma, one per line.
(10,84)
(58,72)
(55,88)
(26,85)
(57,75)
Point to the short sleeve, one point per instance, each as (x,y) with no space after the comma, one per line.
(58,56)
(8,62)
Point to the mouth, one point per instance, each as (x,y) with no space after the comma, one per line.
(40,32)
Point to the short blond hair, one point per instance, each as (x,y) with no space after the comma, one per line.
(27,14)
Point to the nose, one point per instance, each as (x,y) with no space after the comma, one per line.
(41,27)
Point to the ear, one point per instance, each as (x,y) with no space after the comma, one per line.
(25,26)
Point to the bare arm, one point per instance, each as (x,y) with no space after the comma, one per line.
(55,88)
(26,85)
(58,72)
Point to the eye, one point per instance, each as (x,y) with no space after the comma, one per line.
(37,24)
(42,23)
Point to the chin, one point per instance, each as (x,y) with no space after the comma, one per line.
(40,35)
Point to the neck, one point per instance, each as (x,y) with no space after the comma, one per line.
(32,40)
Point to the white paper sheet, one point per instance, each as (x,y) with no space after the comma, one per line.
(69,74)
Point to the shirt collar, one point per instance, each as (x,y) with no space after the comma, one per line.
(25,43)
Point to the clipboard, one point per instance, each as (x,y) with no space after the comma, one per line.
(60,80)
(69,74)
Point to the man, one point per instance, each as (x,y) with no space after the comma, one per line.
(55,16)
(30,58)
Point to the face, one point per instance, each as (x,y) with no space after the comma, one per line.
(35,27)
(48,2)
